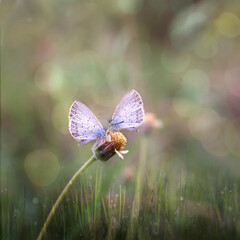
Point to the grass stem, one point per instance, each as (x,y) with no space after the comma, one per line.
(62,195)
(141,166)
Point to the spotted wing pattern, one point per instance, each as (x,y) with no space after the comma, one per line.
(83,124)
(129,113)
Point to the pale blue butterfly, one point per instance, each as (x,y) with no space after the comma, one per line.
(85,127)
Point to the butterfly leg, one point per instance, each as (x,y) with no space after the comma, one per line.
(107,136)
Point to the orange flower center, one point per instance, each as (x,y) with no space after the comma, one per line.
(118,139)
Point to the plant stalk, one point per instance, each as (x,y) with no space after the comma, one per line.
(62,195)
(141,167)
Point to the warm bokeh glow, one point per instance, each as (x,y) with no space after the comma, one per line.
(42,167)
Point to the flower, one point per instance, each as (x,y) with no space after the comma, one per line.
(129,173)
(150,122)
(112,144)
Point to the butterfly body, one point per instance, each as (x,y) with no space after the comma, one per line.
(85,127)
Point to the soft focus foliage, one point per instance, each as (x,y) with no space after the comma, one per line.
(181,178)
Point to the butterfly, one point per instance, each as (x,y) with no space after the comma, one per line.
(85,127)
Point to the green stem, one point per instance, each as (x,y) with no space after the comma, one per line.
(137,198)
(141,166)
(62,195)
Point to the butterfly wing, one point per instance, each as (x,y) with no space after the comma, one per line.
(83,124)
(129,113)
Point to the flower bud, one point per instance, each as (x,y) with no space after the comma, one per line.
(150,122)
(105,148)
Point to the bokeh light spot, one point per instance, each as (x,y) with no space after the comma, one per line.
(196,83)
(228,24)
(49,77)
(173,62)
(42,167)
(205,126)
(216,148)
(232,80)
(206,46)
(60,116)
(117,72)
(189,99)
(130,6)
(185,29)
(185,106)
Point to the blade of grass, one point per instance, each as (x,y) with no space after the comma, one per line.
(104,209)
(120,204)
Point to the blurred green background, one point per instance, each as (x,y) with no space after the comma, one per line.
(180,181)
